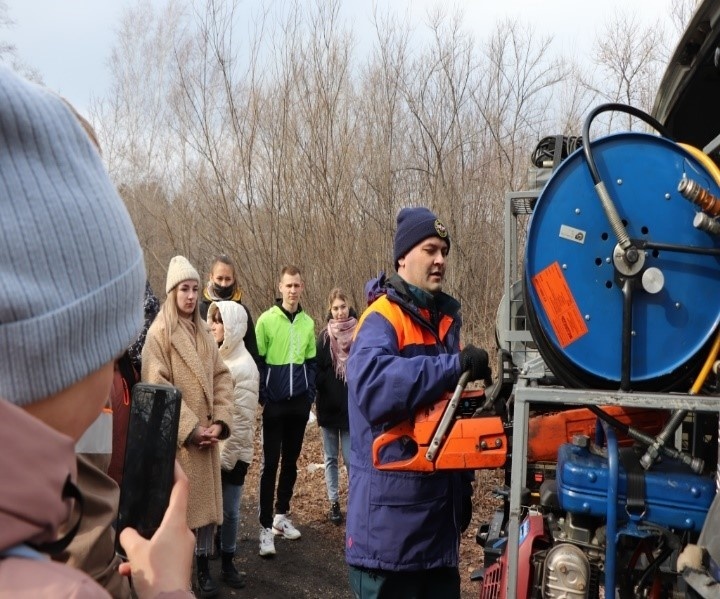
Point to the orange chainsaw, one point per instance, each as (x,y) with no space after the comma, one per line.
(445,439)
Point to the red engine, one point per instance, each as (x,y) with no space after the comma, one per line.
(533,538)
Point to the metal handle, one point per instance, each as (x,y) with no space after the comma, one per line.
(447,417)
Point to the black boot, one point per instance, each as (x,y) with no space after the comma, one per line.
(335,514)
(207,587)
(229,573)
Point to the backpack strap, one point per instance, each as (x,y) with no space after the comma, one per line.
(127,370)
(38,551)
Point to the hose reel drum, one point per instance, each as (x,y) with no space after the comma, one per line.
(630,301)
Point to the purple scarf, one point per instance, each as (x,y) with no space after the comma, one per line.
(340,333)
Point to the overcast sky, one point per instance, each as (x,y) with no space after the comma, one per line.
(69,41)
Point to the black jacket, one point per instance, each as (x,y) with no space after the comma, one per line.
(332,393)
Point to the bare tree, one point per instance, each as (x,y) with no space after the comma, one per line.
(573,100)
(133,120)
(135,131)
(379,186)
(276,145)
(629,58)
(681,12)
(8,51)
(521,75)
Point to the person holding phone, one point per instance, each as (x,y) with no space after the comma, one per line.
(228,323)
(73,275)
(179,351)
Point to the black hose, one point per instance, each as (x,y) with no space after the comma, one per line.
(695,464)
(652,566)
(612,421)
(631,110)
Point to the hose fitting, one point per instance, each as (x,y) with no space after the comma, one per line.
(697,195)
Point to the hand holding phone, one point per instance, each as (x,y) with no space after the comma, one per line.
(149,459)
(163,563)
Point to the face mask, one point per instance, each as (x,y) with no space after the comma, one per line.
(223,292)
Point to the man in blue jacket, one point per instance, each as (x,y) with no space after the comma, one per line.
(403,528)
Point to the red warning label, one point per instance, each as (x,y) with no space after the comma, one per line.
(559,304)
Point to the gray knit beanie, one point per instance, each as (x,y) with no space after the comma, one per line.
(71,268)
(180,270)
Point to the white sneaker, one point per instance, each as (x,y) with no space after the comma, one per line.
(283,526)
(267,542)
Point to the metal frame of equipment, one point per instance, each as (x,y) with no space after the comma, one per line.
(525,395)
(513,336)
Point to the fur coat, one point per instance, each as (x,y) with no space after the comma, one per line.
(206,387)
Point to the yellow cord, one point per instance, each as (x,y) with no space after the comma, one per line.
(700,380)
(705,160)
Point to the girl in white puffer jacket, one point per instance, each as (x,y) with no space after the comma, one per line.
(228,322)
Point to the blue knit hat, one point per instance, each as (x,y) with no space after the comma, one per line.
(71,269)
(413,226)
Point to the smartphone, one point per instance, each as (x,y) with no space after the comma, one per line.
(148,472)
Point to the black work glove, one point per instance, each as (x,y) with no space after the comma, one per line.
(475,360)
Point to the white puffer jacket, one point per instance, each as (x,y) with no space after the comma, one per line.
(246,381)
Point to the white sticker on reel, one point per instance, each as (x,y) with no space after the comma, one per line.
(572,234)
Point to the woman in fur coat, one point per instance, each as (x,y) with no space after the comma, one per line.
(180,351)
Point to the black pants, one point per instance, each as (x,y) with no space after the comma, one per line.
(282,438)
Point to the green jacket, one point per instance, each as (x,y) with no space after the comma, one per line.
(286,346)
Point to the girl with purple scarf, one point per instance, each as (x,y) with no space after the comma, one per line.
(333,347)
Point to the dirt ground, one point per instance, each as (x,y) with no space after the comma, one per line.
(314,567)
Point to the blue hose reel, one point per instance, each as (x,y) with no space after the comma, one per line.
(629,302)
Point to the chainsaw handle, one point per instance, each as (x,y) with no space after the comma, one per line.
(462,382)
(447,417)
(405,430)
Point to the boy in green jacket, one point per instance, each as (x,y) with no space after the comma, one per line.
(286,347)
